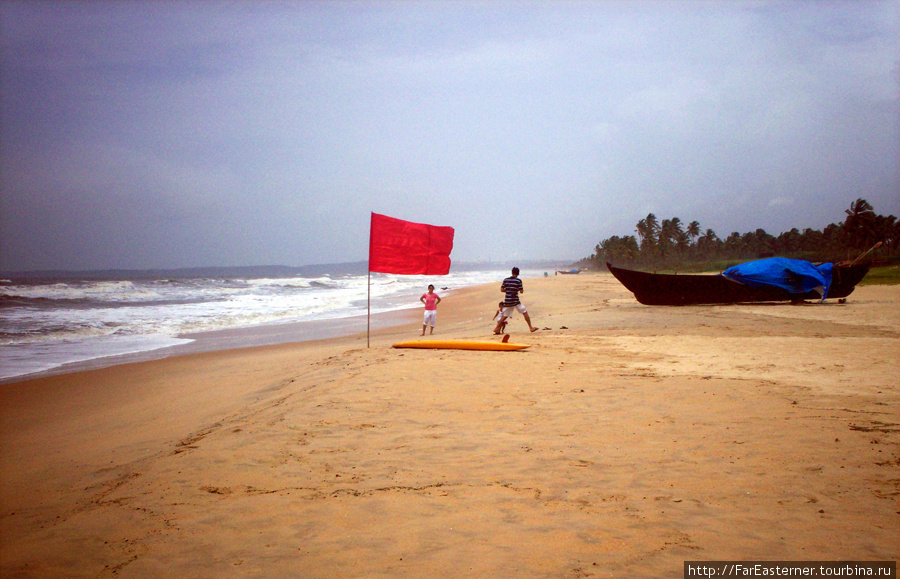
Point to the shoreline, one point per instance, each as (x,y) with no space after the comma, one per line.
(154,334)
(627,440)
(235,338)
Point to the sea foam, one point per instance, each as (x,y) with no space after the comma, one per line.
(48,323)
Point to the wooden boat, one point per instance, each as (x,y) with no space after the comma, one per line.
(658,289)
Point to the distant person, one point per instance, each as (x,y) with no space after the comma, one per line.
(431,300)
(512,287)
(497,318)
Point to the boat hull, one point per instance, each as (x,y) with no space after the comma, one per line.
(659,289)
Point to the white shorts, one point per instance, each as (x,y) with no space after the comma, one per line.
(508,310)
(430,317)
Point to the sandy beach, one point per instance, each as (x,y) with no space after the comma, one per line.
(625,441)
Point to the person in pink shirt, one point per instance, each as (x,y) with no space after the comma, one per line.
(431,300)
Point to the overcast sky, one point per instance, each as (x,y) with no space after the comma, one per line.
(144,134)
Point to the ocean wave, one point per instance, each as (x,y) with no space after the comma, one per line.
(57,319)
(103,291)
(24,359)
(62,333)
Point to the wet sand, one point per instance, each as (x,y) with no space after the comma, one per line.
(625,441)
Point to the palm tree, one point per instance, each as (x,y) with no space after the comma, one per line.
(789,242)
(641,229)
(669,231)
(886,230)
(706,245)
(682,238)
(735,244)
(859,227)
(858,207)
(647,230)
(694,231)
(652,222)
(812,241)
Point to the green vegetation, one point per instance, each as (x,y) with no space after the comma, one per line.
(670,245)
(887,275)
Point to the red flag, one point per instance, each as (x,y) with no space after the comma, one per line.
(397,246)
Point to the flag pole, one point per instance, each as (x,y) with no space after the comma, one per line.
(368,305)
(369,284)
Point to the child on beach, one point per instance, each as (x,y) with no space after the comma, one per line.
(431,300)
(498,317)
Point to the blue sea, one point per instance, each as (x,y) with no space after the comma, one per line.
(49,322)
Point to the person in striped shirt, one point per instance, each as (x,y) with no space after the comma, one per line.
(512,287)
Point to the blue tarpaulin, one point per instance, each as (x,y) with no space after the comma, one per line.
(794,275)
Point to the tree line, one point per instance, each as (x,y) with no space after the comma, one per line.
(670,243)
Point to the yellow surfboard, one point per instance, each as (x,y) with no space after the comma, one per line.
(462,345)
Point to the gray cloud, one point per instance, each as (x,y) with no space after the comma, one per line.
(151,134)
